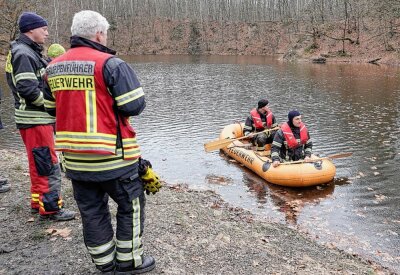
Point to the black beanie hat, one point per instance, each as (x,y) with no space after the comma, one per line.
(262,103)
(293,114)
(30,21)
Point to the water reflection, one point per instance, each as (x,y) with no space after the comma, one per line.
(289,201)
(347,108)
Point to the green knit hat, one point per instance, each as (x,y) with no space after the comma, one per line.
(55,50)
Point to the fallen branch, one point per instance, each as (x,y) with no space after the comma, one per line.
(375,61)
(340,39)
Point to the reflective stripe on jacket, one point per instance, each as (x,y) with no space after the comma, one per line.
(24,68)
(87,121)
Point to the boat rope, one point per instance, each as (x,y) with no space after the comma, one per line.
(259,157)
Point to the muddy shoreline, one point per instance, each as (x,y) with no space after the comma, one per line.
(187,231)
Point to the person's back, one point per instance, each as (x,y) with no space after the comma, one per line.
(92,93)
(89,113)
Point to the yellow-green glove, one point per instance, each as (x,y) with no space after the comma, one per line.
(151,181)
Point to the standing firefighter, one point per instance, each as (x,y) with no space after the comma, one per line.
(24,69)
(94,93)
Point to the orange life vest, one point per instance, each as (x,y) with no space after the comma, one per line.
(289,137)
(257,119)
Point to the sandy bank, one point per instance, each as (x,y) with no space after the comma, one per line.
(188,232)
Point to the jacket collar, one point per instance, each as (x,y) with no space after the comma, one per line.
(29,42)
(77,41)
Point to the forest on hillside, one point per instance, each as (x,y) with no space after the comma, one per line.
(201,26)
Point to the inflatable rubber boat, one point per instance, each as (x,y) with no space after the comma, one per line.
(293,175)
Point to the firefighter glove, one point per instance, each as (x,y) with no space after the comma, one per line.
(143,165)
(151,181)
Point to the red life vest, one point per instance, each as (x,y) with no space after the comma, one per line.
(257,119)
(86,121)
(289,137)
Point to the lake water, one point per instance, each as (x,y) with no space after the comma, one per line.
(346,107)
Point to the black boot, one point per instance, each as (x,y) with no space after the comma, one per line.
(107,269)
(147,265)
(61,215)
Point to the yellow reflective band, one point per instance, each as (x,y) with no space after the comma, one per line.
(34,120)
(84,136)
(131,153)
(104,260)
(49,104)
(130,96)
(101,248)
(91,157)
(133,150)
(91,112)
(25,76)
(124,244)
(13,80)
(39,101)
(277,144)
(30,113)
(92,167)
(86,141)
(9,67)
(71,82)
(21,101)
(87,157)
(137,249)
(88,145)
(124,257)
(60,146)
(35,195)
(129,141)
(274,154)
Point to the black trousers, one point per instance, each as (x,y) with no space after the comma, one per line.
(261,140)
(92,199)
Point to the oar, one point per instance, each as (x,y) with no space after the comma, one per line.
(222,143)
(334,156)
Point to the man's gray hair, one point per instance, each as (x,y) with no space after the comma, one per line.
(87,23)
